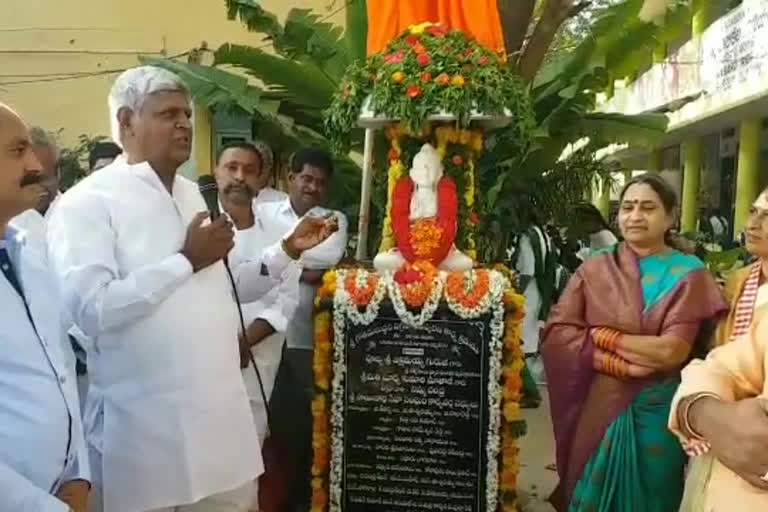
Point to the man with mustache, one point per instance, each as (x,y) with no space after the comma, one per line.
(239,174)
(33,220)
(142,274)
(308,185)
(43,459)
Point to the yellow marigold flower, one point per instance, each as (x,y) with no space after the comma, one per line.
(420,28)
(458,81)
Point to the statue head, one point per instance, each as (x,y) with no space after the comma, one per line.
(427,167)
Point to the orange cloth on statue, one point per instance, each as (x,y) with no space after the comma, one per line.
(387,19)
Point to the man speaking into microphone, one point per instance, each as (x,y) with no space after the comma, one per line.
(141,271)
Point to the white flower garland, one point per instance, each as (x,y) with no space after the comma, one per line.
(340,311)
(346,303)
(494,404)
(496,286)
(345,308)
(427,310)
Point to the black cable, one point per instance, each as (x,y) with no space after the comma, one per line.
(250,353)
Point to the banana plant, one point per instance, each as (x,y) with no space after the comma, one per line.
(288,88)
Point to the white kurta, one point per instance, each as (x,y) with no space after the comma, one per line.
(177,426)
(280,219)
(277,308)
(269,195)
(526,265)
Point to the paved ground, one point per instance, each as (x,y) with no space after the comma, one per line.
(537,451)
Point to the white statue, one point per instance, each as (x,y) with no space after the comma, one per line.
(426,173)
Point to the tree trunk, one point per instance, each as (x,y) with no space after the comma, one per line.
(555,13)
(515,20)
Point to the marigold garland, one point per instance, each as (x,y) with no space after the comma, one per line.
(423,246)
(462,288)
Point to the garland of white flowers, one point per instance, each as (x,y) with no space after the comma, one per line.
(494,404)
(497,284)
(427,310)
(345,308)
(343,301)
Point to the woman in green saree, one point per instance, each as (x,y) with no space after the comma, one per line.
(613,349)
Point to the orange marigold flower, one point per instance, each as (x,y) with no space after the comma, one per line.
(443,79)
(457,160)
(414,91)
(419,49)
(423,59)
(426,77)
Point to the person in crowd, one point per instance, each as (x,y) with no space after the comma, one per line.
(594,228)
(715,225)
(264,192)
(102,154)
(613,349)
(535,260)
(43,460)
(716,412)
(141,271)
(239,168)
(33,220)
(311,172)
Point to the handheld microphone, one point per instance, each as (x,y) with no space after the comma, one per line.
(208,188)
(206,184)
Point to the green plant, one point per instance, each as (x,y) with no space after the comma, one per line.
(429,70)
(73,159)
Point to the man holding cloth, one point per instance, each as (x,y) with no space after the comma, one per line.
(142,275)
(43,459)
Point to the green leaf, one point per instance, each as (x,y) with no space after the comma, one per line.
(254,17)
(299,82)
(213,87)
(356,32)
(641,129)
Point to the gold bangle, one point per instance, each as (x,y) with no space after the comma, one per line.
(685,414)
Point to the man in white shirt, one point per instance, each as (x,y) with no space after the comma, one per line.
(33,220)
(43,460)
(532,258)
(143,277)
(265,193)
(308,183)
(239,167)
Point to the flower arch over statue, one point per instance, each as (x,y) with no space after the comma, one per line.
(439,87)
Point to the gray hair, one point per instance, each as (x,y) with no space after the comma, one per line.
(132,88)
(42,138)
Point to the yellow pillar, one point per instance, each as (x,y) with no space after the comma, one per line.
(702,16)
(654,161)
(692,160)
(203,139)
(748,173)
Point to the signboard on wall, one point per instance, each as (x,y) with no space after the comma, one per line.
(735,48)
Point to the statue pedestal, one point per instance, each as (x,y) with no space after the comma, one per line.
(415,412)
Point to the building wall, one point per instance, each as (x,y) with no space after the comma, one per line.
(42,38)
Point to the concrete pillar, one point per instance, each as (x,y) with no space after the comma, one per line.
(203,140)
(748,173)
(692,162)
(654,161)
(702,16)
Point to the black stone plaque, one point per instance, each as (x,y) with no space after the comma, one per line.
(416,415)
